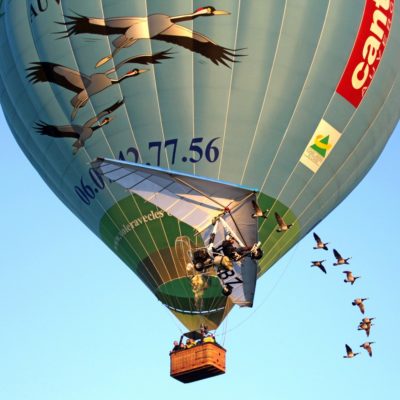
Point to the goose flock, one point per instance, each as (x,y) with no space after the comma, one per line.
(366,322)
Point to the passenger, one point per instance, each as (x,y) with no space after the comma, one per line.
(210,338)
(206,336)
(204,330)
(176,347)
(201,259)
(190,343)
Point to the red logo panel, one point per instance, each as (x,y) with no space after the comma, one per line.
(367,51)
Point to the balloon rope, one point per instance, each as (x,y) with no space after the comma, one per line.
(224,331)
(173,318)
(240,201)
(236,226)
(268,295)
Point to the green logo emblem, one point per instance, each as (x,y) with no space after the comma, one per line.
(321,144)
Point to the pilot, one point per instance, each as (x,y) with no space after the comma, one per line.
(229,249)
(236,253)
(202,259)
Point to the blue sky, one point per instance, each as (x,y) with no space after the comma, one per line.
(77,324)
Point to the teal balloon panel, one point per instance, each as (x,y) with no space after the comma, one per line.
(296,98)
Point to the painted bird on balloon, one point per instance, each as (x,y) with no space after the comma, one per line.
(161,27)
(81,133)
(86,86)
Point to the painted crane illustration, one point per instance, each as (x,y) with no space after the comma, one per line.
(86,86)
(81,133)
(156,26)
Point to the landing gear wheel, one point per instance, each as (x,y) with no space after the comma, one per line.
(226,290)
(199,267)
(257,255)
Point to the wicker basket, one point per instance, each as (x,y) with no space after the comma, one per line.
(199,362)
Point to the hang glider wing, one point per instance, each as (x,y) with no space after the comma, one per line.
(196,201)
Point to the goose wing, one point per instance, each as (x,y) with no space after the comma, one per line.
(337,254)
(317,238)
(257,210)
(368,347)
(279,219)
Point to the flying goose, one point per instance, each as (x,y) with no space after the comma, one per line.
(350,278)
(367,346)
(339,259)
(360,303)
(258,213)
(320,244)
(283,227)
(319,265)
(349,352)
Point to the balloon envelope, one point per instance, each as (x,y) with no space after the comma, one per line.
(296,99)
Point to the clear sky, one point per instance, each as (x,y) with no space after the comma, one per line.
(76,323)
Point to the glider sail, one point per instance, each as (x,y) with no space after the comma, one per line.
(200,203)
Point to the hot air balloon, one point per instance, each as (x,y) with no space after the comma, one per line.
(220,119)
